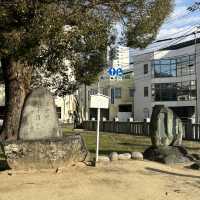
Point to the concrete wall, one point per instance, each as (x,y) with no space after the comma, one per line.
(141,103)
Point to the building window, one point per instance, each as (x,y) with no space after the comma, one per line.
(58,110)
(146,92)
(179,91)
(112,95)
(92,92)
(174,67)
(131,92)
(126,76)
(117,93)
(125,108)
(146,113)
(164,68)
(145,68)
(105,91)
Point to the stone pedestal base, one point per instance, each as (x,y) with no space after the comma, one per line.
(167,154)
(48,153)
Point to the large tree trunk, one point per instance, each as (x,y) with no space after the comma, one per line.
(17,77)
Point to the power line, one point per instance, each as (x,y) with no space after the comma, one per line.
(174,42)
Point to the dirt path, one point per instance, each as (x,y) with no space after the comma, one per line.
(128,180)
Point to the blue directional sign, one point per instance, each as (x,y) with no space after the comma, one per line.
(112,71)
(115,71)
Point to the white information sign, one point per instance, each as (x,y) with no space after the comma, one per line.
(99,101)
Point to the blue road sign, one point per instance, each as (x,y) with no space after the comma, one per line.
(112,71)
(119,72)
(115,71)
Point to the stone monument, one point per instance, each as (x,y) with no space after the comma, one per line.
(41,143)
(166,128)
(39,118)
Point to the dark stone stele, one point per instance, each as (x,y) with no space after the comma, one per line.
(167,154)
(45,154)
(166,128)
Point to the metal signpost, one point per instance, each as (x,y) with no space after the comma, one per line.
(101,101)
(98,101)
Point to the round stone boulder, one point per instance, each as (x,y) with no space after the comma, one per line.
(124,156)
(113,156)
(103,159)
(166,128)
(137,156)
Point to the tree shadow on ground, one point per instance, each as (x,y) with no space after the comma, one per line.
(171,173)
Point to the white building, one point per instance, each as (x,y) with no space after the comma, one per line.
(167,76)
(122,57)
(65,107)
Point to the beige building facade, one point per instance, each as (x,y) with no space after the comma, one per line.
(120,92)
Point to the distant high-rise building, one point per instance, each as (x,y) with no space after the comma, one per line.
(122,57)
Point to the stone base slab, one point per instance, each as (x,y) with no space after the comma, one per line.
(48,153)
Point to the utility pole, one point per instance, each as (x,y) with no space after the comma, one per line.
(196,82)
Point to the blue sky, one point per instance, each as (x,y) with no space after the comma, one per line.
(180,19)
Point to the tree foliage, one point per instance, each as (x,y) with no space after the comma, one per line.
(194,7)
(47,34)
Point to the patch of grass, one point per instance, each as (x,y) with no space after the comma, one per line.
(110,142)
(68,130)
(121,143)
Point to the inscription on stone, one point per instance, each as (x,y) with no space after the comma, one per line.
(39,118)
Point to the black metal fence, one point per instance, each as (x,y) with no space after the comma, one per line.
(191,131)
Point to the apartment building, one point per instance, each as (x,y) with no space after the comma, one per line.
(170,76)
(120,91)
(122,57)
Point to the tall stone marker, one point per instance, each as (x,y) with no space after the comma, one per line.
(39,118)
(166,128)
